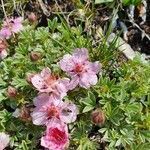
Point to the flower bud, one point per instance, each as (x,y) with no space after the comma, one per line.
(98,117)
(11,92)
(29,77)
(25,114)
(32,17)
(35,56)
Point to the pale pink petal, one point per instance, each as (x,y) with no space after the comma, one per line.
(17,27)
(66,64)
(46,72)
(4,140)
(18,20)
(69,113)
(93,67)
(73,83)
(3,54)
(5,33)
(37,81)
(39,117)
(65,82)
(41,99)
(80,55)
(86,80)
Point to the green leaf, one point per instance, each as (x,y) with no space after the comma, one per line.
(131,2)
(24,145)
(102,1)
(2,97)
(87,108)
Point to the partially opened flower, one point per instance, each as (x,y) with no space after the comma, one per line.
(56,136)
(47,109)
(3,47)
(4,140)
(11,26)
(48,83)
(81,70)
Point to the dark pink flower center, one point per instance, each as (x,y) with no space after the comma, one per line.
(57,136)
(52,112)
(78,68)
(50,79)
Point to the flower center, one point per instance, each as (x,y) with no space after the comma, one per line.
(52,112)
(78,68)
(57,136)
(50,79)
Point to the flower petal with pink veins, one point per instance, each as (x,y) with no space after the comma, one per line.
(73,83)
(46,72)
(66,64)
(80,55)
(93,67)
(39,118)
(5,33)
(41,99)
(87,80)
(69,113)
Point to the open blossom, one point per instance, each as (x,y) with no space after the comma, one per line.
(4,140)
(3,47)
(11,26)
(81,70)
(47,109)
(48,83)
(56,136)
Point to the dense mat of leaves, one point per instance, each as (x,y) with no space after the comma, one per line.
(113,114)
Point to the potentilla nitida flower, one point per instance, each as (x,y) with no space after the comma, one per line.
(81,70)
(3,47)
(56,136)
(48,109)
(11,26)
(4,140)
(45,82)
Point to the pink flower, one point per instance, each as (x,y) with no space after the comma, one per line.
(56,137)
(3,47)
(48,83)
(81,70)
(47,109)
(4,140)
(11,26)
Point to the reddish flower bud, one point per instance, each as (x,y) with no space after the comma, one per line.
(32,17)
(11,92)
(25,114)
(35,56)
(98,117)
(29,76)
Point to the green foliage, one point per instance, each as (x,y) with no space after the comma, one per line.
(131,2)
(122,92)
